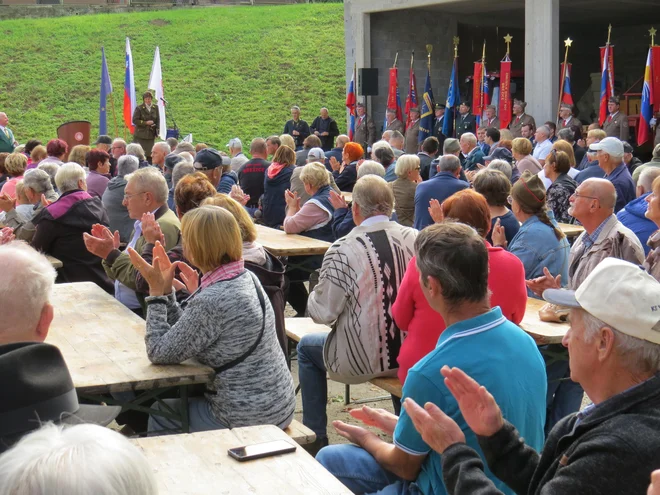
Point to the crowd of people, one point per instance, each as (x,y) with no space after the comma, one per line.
(429,270)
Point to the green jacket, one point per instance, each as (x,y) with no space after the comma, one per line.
(140,117)
(7,141)
(118,265)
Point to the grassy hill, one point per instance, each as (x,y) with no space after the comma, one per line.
(227,71)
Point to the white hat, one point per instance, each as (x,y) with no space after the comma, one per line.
(235,143)
(620,294)
(316,154)
(610,145)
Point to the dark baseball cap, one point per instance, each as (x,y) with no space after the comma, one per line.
(209,158)
(103,139)
(499,153)
(171,160)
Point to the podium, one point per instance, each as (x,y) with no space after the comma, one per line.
(75,132)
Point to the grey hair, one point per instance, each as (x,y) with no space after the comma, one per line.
(127,164)
(451,145)
(164,145)
(469,138)
(38,180)
(119,141)
(405,164)
(448,163)
(150,179)
(135,149)
(646,178)
(180,170)
(637,355)
(397,136)
(373,196)
(503,166)
(28,277)
(75,460)
(187,157)
(545,130)
(69,176)
(371,167)
(381,144)
(295,107)
(566,134)
(656,151)
(51,169)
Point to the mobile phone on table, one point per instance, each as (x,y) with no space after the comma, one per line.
(260,450)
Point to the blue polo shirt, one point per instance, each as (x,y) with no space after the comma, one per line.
(499,356)
(624,185)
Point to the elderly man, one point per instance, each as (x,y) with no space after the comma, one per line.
(338,150)
(325,128)
(589,165)
(173,143)
(655,162)
(616,123)
(520,118)
(356,296)
(238,158)
(543,145)
(251,175)
(210,162)
(311,141)
(611,445)
(365,129)
(113,197)
(442,185)
(391,122)
(490,120)
(272,144)
(412,132)
(481,140)
(609,153)
(565,116)
(631,161)
(36,186)
(452,260)
(297,128)
(397,142)
(471,151)
(7,140)
(118,148)
(158,154)
(145,192)
(633,214)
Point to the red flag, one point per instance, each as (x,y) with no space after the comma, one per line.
(505,93)
(655,78)
(477,95)
(607,80)
(411,99)
(393,98)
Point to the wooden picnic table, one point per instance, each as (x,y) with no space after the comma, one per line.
(571,230)
(279,243)
(54,262)
(198,463)
(542,332)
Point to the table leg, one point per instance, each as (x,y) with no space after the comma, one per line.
(347,395)
(185,423)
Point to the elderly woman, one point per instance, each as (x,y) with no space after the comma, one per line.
(113,198)
(345,173)
(383,153)
(98,163)
(652,263)
(521,149)
(287,140)
(57,150)
(15,165)
(407,171)
(60,226)
(297,186)
(136,150)
(556,168)
(495,187)
(79,154)
(539,243)
(38,154)
(506,281)
(277,182)
(252,384)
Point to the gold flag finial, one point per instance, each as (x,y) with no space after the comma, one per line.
(609,33)
(568,42)
(456,41)
(429,49)
(652,32)
(507,40)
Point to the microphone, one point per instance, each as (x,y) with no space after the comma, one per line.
(163,100)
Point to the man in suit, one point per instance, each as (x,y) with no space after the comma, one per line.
(412,132)
(465,122)
(439,122)
(616,124)
(146,122)
(430,149)
(566,119)
(393,124)
(491,119)
(7,140)
(471,151)
(520,118)
(365,129)
(325,128)
(297,128)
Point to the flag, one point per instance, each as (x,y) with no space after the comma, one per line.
(187,139)
(567,96)
(505,93)
(453,99)
(411,99)
(129,90)
(106,89)
(393,96)
(428,110)
(655,78)
(156,83)
(606,80)
(350,104)
(646,109)
(477,95)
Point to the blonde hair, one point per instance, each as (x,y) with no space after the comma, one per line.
(38,154)
(522,146)
(21,197)
(287,140)
(315,175)
(405,164)
(15,164)
(506,135)
(78,154)
(567,148)
(597,134)
(211,237)
(245,223)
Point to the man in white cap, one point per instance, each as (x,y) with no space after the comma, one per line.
(609,153)
(238,159)
(608,447)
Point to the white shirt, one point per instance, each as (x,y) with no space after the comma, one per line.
(367,222)
(542,149)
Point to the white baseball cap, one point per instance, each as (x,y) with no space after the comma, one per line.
(610,145)
(316,154)
(620,294)
(234,143)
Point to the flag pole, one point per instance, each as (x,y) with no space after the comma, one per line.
(456,41)
(396,57)
(114,115)
(483,75)
(567,44)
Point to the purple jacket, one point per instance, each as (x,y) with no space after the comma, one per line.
(97,183)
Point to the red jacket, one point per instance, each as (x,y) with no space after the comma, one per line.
(423,326)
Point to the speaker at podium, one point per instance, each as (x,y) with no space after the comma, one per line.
(74,133)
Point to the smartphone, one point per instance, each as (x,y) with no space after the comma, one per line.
(259,450)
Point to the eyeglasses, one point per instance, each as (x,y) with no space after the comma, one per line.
(578,195)
(129,196)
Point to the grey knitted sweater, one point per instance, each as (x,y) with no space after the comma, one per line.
(219,324)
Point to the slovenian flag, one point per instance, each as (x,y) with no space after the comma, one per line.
(567,96)
(606,89)
(106,89)
(350,105)
(646,110)
(129,90)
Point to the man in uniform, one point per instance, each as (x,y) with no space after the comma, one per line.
(7,141)
(412,132)
(616,124)
(520,118)
(565,117)
(325,128)
(297,128)
(491,119)
(393,124)
(365,129)
(146,122)
(439,122)
(465,122)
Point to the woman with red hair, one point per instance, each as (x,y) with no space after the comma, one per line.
(506,281)
(57,150)
(345,173)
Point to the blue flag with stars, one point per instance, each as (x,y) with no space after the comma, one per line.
(106,89)
(453,99)
(428,110)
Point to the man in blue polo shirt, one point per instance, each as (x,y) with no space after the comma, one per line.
(609,153)
(453,264)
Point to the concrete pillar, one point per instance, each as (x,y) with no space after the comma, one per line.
(357,38)
(542,59)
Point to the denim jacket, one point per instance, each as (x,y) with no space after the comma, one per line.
(537,247)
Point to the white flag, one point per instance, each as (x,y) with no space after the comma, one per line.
(188,138)
(156,83)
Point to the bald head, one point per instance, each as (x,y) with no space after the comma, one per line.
(602,189)
(3,119)
(341,140)
(387,135)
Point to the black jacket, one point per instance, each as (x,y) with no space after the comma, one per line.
(330,126)
(611,450)
(301,126)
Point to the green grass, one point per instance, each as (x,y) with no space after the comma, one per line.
(227,71)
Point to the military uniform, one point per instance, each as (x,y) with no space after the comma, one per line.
(395,125)
(365,132)
(7,141)
(465,123)
(437,132)
(412,137)
(517,122)
(567,123)
(145,134)
(494,122)
(617,126)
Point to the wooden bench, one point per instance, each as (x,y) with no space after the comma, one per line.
(391,385)
(300,433)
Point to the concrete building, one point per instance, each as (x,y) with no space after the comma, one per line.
(375,30)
